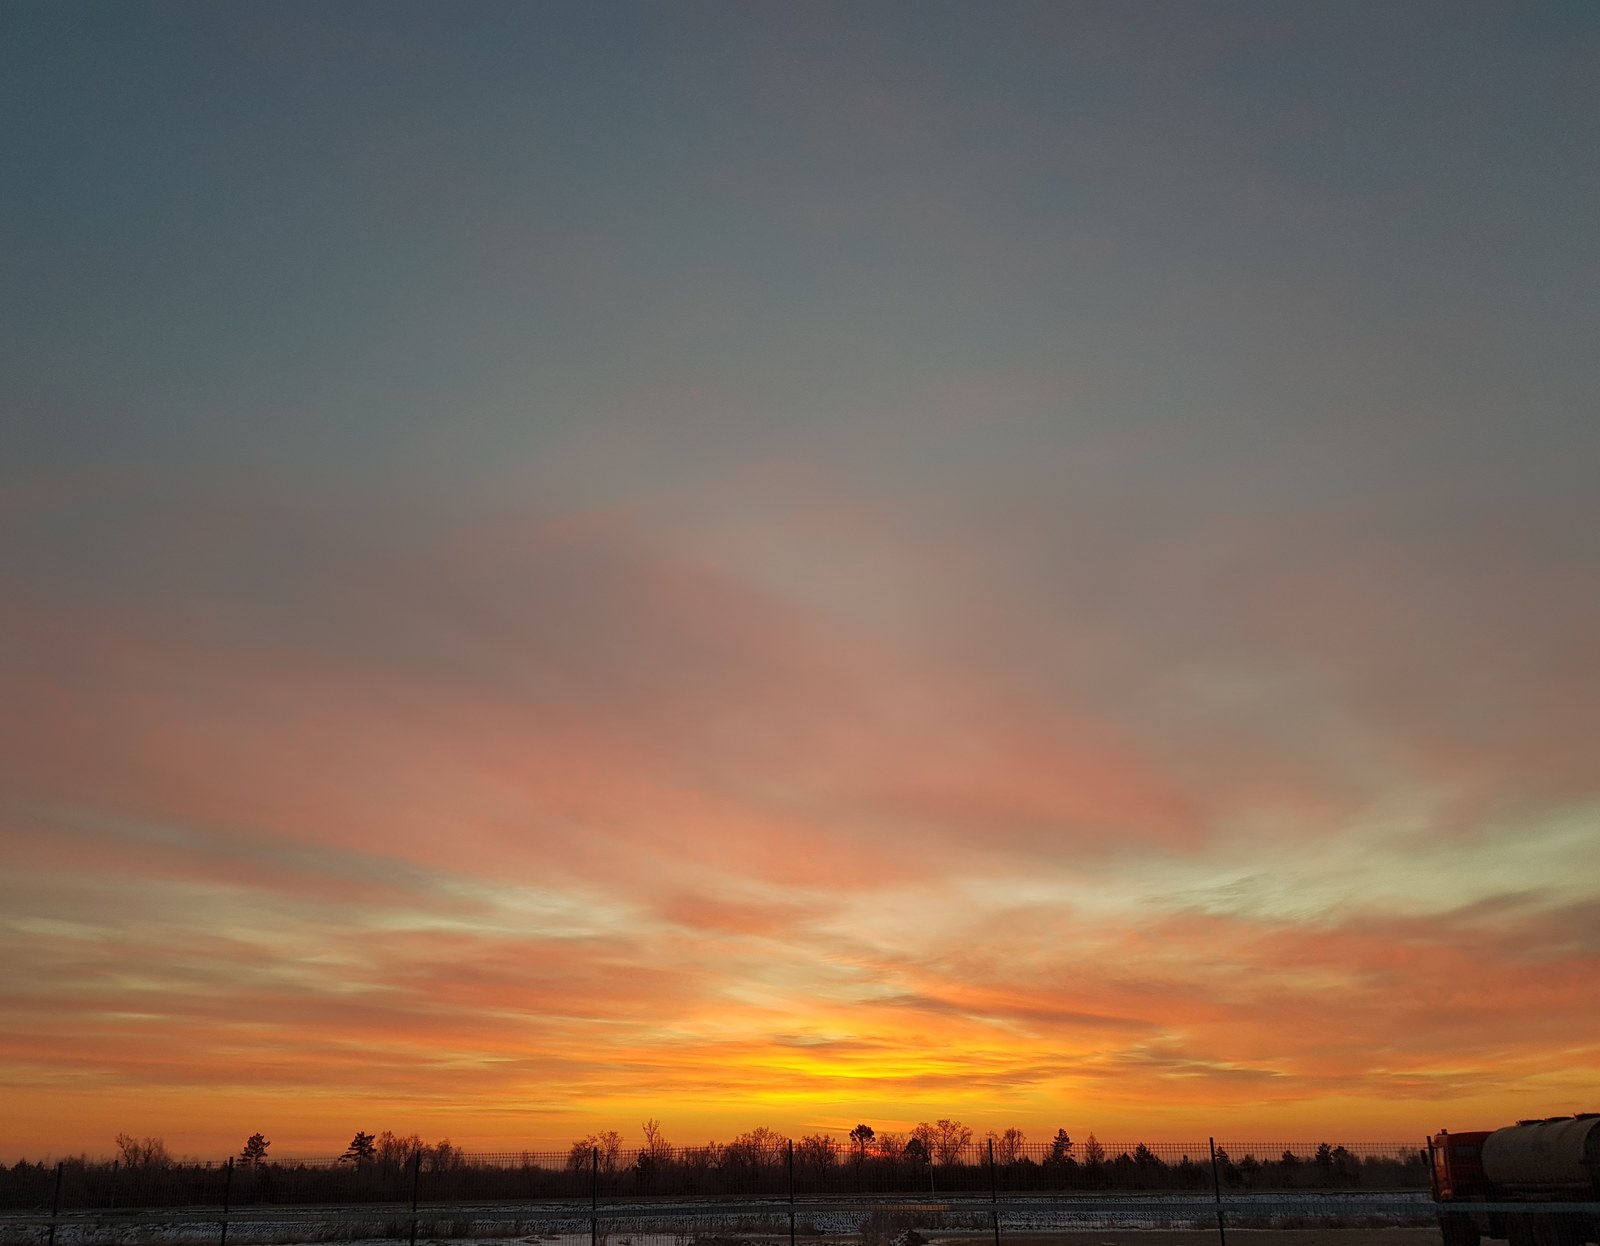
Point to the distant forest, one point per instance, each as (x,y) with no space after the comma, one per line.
(943,1157)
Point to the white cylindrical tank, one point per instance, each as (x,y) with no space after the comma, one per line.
(1560,1153)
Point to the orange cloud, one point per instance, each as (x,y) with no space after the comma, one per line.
(657,840)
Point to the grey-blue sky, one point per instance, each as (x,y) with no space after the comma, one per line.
(1250,216)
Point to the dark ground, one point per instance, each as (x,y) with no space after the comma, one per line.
(1236,1237)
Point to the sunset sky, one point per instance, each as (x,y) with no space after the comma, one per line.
(794,564)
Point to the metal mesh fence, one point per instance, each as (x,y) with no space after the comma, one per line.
(867,1221)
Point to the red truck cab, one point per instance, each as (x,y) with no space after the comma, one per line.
(1457,1165)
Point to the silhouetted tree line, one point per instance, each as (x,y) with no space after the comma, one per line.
(942,1157)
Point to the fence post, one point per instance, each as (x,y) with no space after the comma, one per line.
(416,1179)
(994,1194)
(55,1202)
(227,1191)
(114,1170)
(791,1192)
(1216,1189)
(594,1195)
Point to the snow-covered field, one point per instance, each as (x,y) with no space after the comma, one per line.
(685,1224)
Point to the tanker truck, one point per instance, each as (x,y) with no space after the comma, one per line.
(1535,1183)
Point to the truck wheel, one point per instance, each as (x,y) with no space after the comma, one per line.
(1458,1230)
